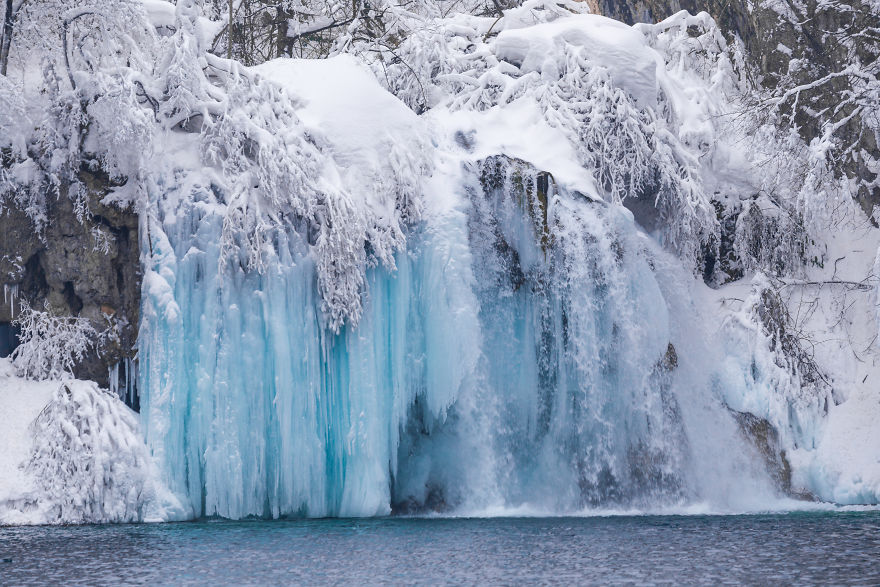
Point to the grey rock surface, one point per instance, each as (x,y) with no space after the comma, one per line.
(87,268)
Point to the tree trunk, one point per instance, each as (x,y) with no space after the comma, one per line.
(282,45)
(229,32)
(6,38)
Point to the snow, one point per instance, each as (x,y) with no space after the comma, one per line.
(530,139)
(20,403)
(612,44)
(845,467)
(160,12)
(836,456)
(71,453)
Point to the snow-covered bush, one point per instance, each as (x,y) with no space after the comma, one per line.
(264,29)
(17,169)
(770,239)
(79,36)
(51,345)
(89,459)
(627,122)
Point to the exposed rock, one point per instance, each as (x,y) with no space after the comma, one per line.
(658,470)
(669,362)
(530,186)
(87,267)
(765,438)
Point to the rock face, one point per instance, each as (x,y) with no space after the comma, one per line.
(87,268)
(788,44)
(765,438)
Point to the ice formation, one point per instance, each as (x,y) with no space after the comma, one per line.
(506,335)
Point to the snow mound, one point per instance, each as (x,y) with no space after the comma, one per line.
(72,454)
(632,65)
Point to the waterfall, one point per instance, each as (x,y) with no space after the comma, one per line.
(520,354)
(358,315)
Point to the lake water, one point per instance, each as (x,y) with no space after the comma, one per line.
(836,548)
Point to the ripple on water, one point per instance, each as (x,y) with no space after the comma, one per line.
(814,547)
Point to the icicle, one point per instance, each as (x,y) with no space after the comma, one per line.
(113,379)
(10,294)
(124,387)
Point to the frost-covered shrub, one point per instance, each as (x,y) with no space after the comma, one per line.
(769,239)
(17,170)
(454,58)
(182,89)
(121,131)
(626,123)
(693,45)
(809,387)
(51,345)
(89,459)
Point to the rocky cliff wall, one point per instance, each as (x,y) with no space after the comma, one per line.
(85,267)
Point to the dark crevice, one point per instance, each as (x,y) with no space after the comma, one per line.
(73,301)
(8,338)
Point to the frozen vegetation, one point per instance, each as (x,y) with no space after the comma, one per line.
(534,262)
(72,453)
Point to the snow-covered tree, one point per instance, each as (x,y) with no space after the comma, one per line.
(265,29)
(85,110)
(829,94)
(51,345)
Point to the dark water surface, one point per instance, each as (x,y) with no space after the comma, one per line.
(826,548)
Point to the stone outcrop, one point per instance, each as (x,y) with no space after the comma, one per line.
(85,267)
(765,438)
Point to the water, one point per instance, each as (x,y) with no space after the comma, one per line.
(838,548)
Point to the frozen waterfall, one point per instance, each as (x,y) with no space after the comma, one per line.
(435,313)
(520,355)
